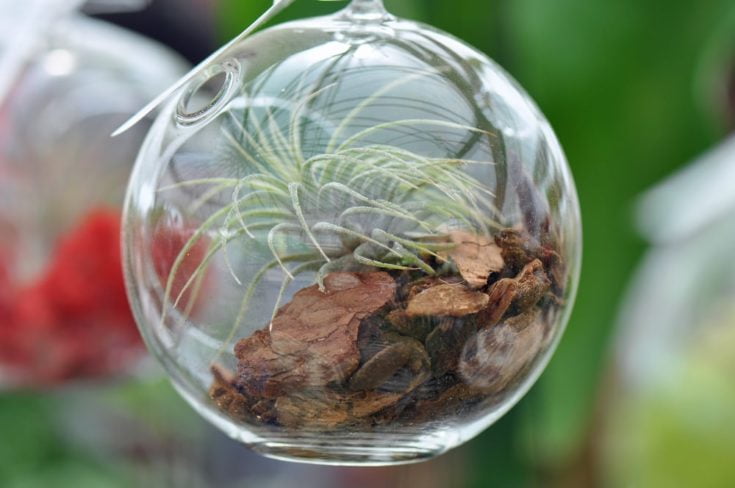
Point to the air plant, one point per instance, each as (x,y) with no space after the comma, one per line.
(348,204)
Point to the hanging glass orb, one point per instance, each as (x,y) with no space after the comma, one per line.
(378,235)
(63,310)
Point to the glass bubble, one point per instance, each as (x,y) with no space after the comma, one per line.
(352,240)
(64,315)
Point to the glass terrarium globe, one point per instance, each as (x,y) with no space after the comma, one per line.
(63,309)
(378,236)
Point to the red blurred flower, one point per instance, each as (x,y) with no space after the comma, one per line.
(75,321)
(6,303)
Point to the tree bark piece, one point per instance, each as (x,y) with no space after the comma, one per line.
(386,363)
(476,257)
(312,341)
(327,410)
(446,301)
(445,343)
(500,354)
(516,295)
(501,295)
(533,283)
(227,397)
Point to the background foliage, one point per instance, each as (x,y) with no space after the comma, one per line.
(633,88)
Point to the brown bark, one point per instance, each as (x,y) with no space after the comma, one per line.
(476,257)
(312,341)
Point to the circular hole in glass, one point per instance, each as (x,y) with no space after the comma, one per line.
(207,96)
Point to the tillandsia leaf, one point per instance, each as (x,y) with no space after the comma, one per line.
(265,181)
(274,211)
(422,169)
(386,174)
(382,235)
(385,213)
(199,233)
(410,258)
(198,274)
(246,137)
(272,242)
(272,214)
(345,263)
(385,205)
(270,152)
(214,247)
(337,229)
(467,217)
(196,286)
(337,167)
(294,190)
(224,235)
(361,258)
(206,197)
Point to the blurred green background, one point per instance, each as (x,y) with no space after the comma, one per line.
(634,89)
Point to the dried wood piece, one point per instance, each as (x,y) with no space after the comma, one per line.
(445,344)
(452,401)
(418,327)
(327,410)
(518,248)
(446,301)
(501,295)
(227,397)
(410,289)
(371,338)
(476,257)
(404,352)
(500,354)
(263,372)
(518,294)
(532,286)
(264,410)
(370,403)
(312,340)
(318,410)
(555,270)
